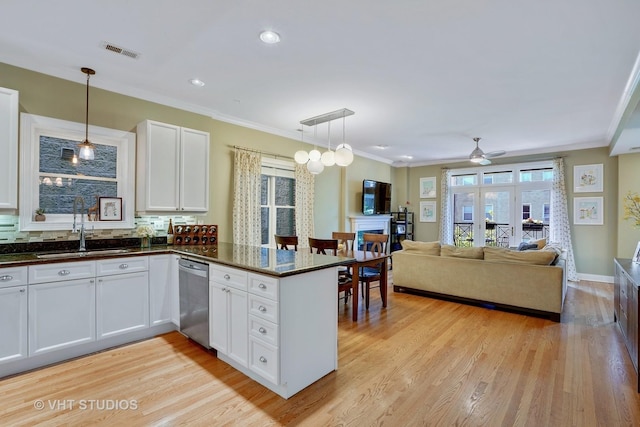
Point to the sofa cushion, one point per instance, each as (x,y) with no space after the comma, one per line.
(427,248)
(457,252)
(521,257)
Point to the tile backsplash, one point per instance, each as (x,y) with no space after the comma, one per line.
(10,233)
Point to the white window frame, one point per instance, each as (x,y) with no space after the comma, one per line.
(275,168)
(32,127)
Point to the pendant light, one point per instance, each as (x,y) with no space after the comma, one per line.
(316,161)
(86,148)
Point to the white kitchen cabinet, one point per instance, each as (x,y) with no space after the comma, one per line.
(61,314)
(122,300)
(161,269)
(8,148)
(172,168)
(13,313)
(122,304)
(228,316)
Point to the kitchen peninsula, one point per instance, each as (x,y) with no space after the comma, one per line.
(273,313)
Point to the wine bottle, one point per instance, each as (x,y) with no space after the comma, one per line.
(170,233)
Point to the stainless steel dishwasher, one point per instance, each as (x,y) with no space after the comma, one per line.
(194,300)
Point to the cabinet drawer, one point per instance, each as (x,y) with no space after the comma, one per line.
(228,276)
(264,360)
(264,286)
(13,276)
(61,271)
(263,330)
(106,267)
(263,308)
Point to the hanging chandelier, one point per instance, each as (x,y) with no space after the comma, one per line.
(314,159)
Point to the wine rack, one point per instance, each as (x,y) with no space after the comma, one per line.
(205,235)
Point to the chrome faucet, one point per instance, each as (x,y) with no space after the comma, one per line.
(81,230)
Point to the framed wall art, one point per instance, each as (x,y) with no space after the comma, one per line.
(427,211)
(588,178)
(588,211)
(428,187)
(110,209)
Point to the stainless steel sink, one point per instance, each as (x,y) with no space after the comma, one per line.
(77,254)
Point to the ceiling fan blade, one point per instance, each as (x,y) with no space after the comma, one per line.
(495,153)
(484,162)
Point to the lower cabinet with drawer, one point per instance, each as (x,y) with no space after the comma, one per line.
(290,324)
(13,314)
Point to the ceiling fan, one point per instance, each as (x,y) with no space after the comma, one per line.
(480,157)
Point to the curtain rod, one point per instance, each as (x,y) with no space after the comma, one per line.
(266,153)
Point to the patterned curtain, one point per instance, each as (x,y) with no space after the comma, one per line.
(246,200)
(559,227)
(446,217)
(305,195)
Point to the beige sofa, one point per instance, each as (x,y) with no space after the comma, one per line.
(529,281)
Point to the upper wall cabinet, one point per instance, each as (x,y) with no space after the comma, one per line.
(172,169)
(8,148)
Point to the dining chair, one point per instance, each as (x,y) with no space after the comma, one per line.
(284,242)
(330,247)
(345,275)
(321,246)
(375,244)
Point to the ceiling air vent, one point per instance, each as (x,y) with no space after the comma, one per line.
(120,50)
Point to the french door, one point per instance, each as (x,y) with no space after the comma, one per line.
(484,216)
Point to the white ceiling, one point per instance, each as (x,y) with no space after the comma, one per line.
(423,77)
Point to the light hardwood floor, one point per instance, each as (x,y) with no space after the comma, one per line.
(420,362)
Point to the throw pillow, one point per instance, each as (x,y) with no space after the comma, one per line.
(456,252)
(520,257)
(427,248)
(525,246)
(541,243)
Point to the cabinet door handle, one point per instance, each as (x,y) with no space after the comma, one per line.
(6,278)
(262,286)
(262,330)
(64,272)
(22,291)
(124,266)
(227,277)
(262,308)
(263,359)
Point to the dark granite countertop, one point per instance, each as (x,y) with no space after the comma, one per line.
(268,261)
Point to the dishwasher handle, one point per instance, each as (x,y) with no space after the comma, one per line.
(195,268)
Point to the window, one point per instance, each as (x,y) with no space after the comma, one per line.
(50,180)
(488,212)
(467,213)
(526,211)
(277,199)
(471,179)
(500,177)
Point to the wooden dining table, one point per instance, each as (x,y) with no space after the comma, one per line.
(365,259)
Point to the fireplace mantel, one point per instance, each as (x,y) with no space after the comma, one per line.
(369,223)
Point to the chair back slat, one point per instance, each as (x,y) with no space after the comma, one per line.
(321,246)
(343,238)
(375,243)
(287,242)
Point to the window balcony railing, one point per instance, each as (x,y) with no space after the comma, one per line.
(496,234)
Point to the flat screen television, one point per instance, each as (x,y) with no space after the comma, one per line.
(376,197)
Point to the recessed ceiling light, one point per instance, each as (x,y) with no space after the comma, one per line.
(196,82)
(407,157)
(270,37)
(381,146)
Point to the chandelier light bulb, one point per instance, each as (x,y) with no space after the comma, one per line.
(328,158)
(344,155)
(301,157)
(315,166)
(314,155)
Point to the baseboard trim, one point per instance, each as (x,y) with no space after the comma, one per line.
(595,278)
